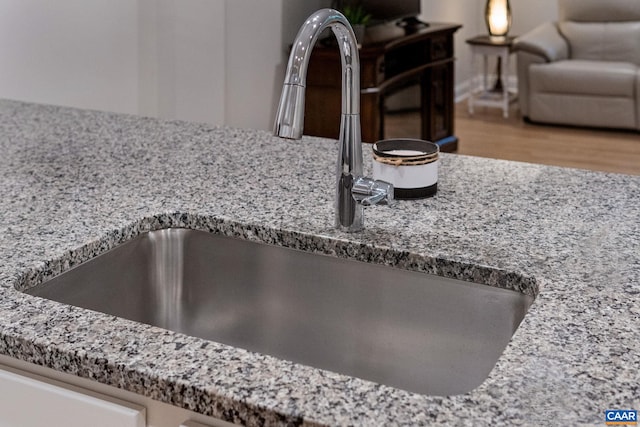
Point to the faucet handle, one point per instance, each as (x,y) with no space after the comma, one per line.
(369,192)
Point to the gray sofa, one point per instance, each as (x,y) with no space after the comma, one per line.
(583,70)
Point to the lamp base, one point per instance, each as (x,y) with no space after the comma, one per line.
(498,87)
(497,39)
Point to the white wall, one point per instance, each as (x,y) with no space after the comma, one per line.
(150,57)
(258,35)
(215,61)
(527,14)
(181,68)
(70,52)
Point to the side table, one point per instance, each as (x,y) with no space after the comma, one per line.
(498,95)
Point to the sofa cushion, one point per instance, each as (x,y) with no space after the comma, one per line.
(608,41)
(584,77)
(582,110)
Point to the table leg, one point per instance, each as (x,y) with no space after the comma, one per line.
(505,86)
(472,89)
(485,73)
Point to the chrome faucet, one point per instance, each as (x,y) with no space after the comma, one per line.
(353,191)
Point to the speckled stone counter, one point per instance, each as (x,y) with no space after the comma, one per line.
(76,183)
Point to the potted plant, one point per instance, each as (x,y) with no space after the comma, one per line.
(356,14)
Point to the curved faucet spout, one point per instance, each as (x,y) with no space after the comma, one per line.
(290,116)
(289,121)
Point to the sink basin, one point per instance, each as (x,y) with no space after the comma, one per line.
(409,330)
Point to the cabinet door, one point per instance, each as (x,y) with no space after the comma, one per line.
(28,402)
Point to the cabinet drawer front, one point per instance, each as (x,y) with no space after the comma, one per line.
(27,402)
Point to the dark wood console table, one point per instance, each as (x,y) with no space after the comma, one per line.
(388,62)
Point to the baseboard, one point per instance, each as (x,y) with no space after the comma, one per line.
(462,90)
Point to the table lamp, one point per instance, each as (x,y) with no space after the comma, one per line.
(497,15)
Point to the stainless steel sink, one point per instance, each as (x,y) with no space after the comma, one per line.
(410,330)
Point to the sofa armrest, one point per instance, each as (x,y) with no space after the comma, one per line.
(544,41)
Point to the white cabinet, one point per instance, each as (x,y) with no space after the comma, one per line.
(28,402)
(193,424)
(32,395)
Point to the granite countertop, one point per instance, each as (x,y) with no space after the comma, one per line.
(75,183)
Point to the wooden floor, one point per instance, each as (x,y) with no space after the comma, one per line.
(488,134)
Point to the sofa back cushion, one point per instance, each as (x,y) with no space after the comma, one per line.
(598,10)
(603,41)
